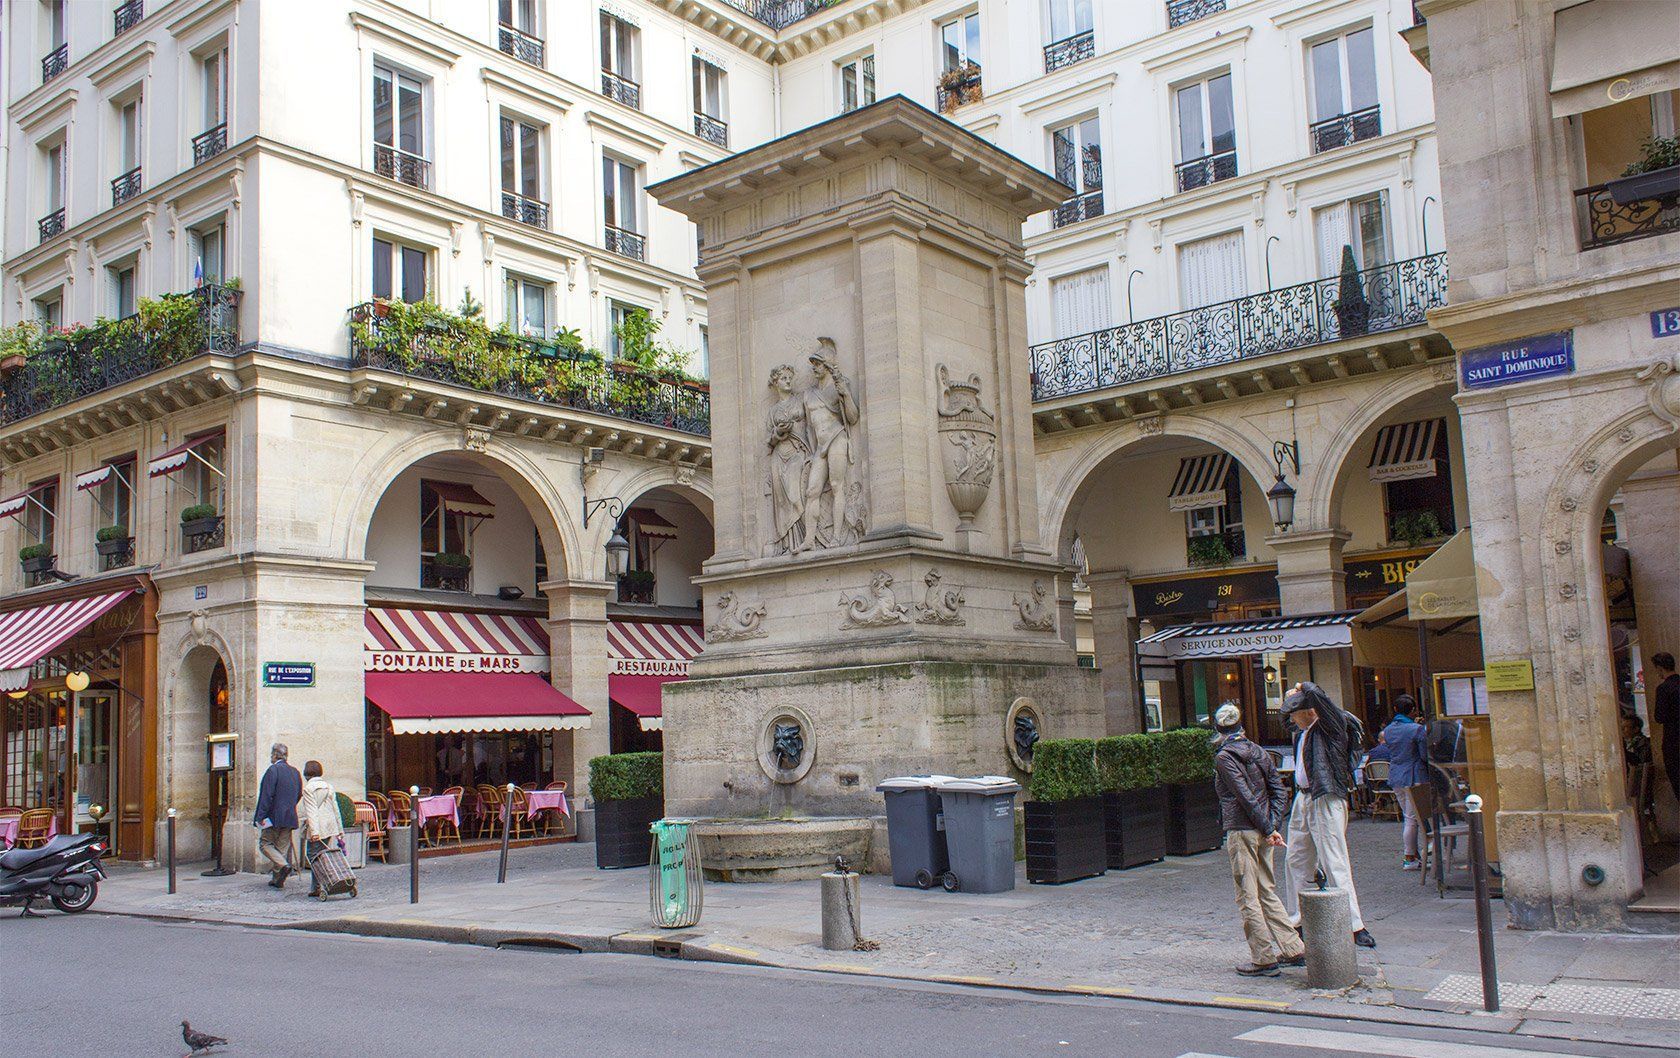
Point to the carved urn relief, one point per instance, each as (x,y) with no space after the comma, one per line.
(967,446)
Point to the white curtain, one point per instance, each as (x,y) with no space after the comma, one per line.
(1212,270)
(1080,302)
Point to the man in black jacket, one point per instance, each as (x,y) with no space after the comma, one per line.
(276,816)
(1666,712)
(1252,800)
(1323,781)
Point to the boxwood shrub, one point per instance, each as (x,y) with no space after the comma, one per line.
(627,776)
(111,532)
(198,511)
(29,551)
(1064,769)
(1186,756)
(1128,762)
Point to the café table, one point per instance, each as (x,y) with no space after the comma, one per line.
(9,830)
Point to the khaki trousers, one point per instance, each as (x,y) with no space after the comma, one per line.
(1265,923)
(1318,841)
(276,846)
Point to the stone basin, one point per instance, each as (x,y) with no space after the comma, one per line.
(781,850)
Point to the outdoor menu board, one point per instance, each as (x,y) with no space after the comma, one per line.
(1464,695)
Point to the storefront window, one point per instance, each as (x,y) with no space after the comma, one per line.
(36,745)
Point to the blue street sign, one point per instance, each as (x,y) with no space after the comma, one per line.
(288,674)
(1665,323)
(1541,356)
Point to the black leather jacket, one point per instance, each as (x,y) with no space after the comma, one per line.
(1251,793)
(1329,767)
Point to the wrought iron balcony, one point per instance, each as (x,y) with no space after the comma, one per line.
(1606,222)
(455,353)
(520,45)
(621,89)
(1183,12)
(52,224)
(1069,50)
(957,87)
(443,576)
(1078,208)
(1215,549)
(779,14)
(1395,296)
(1344,130)
(68,366)
(399,165)
(209,143)
(711,129)
(524,210)
(115,554)
(202,534)
(56,62)
(127,16)
(638,588)
(127,186)
(1208,169)
(626,243)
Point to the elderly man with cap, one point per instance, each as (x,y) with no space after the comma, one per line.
(1324,747)
(1252,802)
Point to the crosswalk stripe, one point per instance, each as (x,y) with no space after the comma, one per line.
(1202,1054)
(1392,1046)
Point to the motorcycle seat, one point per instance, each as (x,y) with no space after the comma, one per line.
(19,859)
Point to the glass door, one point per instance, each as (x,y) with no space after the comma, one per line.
(94,763)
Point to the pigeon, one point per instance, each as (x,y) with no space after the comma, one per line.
(200,1042)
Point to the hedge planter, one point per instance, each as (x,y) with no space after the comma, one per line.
(1065,840)
(115,545)
(1135,826)
(39,563)
(1659,184)
(621,831)
(1193,821)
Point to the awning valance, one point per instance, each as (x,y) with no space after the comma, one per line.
(462,499)
(1443,586)
(12,506)
(177,457)
(27,636)
(1607,51)
(399,640)
(642,695)
(1405,450)
(94,478)
(650,522)
(423,703)
(652,648)
(1236,638)
(1200,482)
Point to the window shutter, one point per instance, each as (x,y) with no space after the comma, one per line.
(1080,302)
(1212,270)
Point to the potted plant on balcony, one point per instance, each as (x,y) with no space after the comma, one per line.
(451,569)
(1193,823)
(199,519)
(1210,551)
(637,585)
(1134,800)
(16,342)
(1415,527)
(37,558)
(959,85)
(1353,312)
(112,540)
(629,794)
(1655,176)
(1064,813)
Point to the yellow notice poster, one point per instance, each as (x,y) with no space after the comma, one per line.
(1510,675)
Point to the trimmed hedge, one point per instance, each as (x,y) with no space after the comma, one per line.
(1064,769)
(111,532)
(627,776)
(198,511)
(1128,762)
(346,811)
(1186,756)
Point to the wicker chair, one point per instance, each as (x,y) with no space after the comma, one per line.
(554,819)
(518,818)
(381,804)
(402,809)
(34,826)
(1385,803)
(367,814)
(490,811)
(445,825)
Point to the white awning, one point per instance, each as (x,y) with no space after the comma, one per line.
(1608,51)
(94,478)
(1223,639)
(177,457)
(1200,483)
(1405,451)
(12,506)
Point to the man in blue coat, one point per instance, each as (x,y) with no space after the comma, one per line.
(276,815)
(1408,766)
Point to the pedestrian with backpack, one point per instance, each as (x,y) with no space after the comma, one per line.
(1328,742)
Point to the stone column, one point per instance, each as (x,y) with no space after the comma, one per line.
(1651,527)
(1311,580)
(1116,645)
(577,636)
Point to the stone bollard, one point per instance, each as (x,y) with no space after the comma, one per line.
(842,919)
(1327,929)
(396,845)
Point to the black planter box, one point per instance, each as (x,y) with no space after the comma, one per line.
(1135,826)
(1193,822)
(1657,184)
(1065,840)
(39,564)
(621,831)
(114,546)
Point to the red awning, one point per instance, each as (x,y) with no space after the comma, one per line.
(650,523)
(462,499)
(12,506)
(422,703)
(27,636)
(641,695)
(177,457)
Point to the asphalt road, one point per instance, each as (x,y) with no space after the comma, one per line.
(98,985)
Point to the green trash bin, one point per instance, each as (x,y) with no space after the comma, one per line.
(675,892)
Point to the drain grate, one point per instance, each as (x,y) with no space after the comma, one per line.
(536,944)
(668,949)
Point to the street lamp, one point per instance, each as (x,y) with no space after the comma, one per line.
(1281,496)
(618,554)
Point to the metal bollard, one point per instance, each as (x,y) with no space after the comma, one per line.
(1327,930)
(507,823)
(414,844)
(1484,903)
(169,829)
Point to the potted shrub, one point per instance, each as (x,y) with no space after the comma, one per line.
(36,558)
(1414,527)
(112,540)
(1064,815)
(1353,312)
(629,794)
(1210,551)
(1656,175)
(1193,822)
(199,519)
(451,568)
(355,834)
(1134,800)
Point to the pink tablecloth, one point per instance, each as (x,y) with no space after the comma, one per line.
(9,831)
(438,806)
(540,800)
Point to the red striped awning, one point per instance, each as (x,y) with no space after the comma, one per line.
(650,522)
(399,640)
(462,499)
(27,636)
(177,457)
(642,696)
(12,506)
(652,648)
(421,703)
(94,478)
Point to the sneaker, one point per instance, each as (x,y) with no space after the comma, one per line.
(1411,865)
(1251,970)
(1299,960)
(1363,938)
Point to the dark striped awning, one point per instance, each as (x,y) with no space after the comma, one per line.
(1406,450)
(1326,631)
(1200,482)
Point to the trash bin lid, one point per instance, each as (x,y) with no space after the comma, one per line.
(981,784)
(915,782)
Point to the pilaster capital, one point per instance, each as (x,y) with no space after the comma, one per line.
(1308,541)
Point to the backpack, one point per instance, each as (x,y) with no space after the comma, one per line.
(1355,742)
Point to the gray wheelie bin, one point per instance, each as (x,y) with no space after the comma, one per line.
(915,829)
(980,833)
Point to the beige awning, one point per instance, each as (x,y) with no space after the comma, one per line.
(1607,51)
(1443,586)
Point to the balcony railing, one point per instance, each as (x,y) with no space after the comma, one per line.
(524,210)
(778,14)
(1396,295)
(1183,12)
(1069,50)
(399,165)
(637,589)
(55,63)
(520,45)
(127,16)
(68,366)
(1208,169)
(127,186)
(527,369)
(51,225)
(711,129)
(115,554)
(621,89)
(1345,129)
(1078,208)
(442,576)
(626,243)
(202,534)
(1606,222)
(209,143)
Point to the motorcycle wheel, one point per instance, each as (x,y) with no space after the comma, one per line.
(76,897)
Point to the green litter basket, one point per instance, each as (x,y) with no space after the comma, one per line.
(675,893)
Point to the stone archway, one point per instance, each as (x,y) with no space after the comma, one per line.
(203,665)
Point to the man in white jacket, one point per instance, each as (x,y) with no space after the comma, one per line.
(322,824)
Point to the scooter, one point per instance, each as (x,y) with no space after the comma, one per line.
(66,870)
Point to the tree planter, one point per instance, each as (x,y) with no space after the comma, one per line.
(114,546)
(1135,826)
(1065,840)
(1657,184)
(355,846)
(1193,822)
(621,831)
(39,564)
